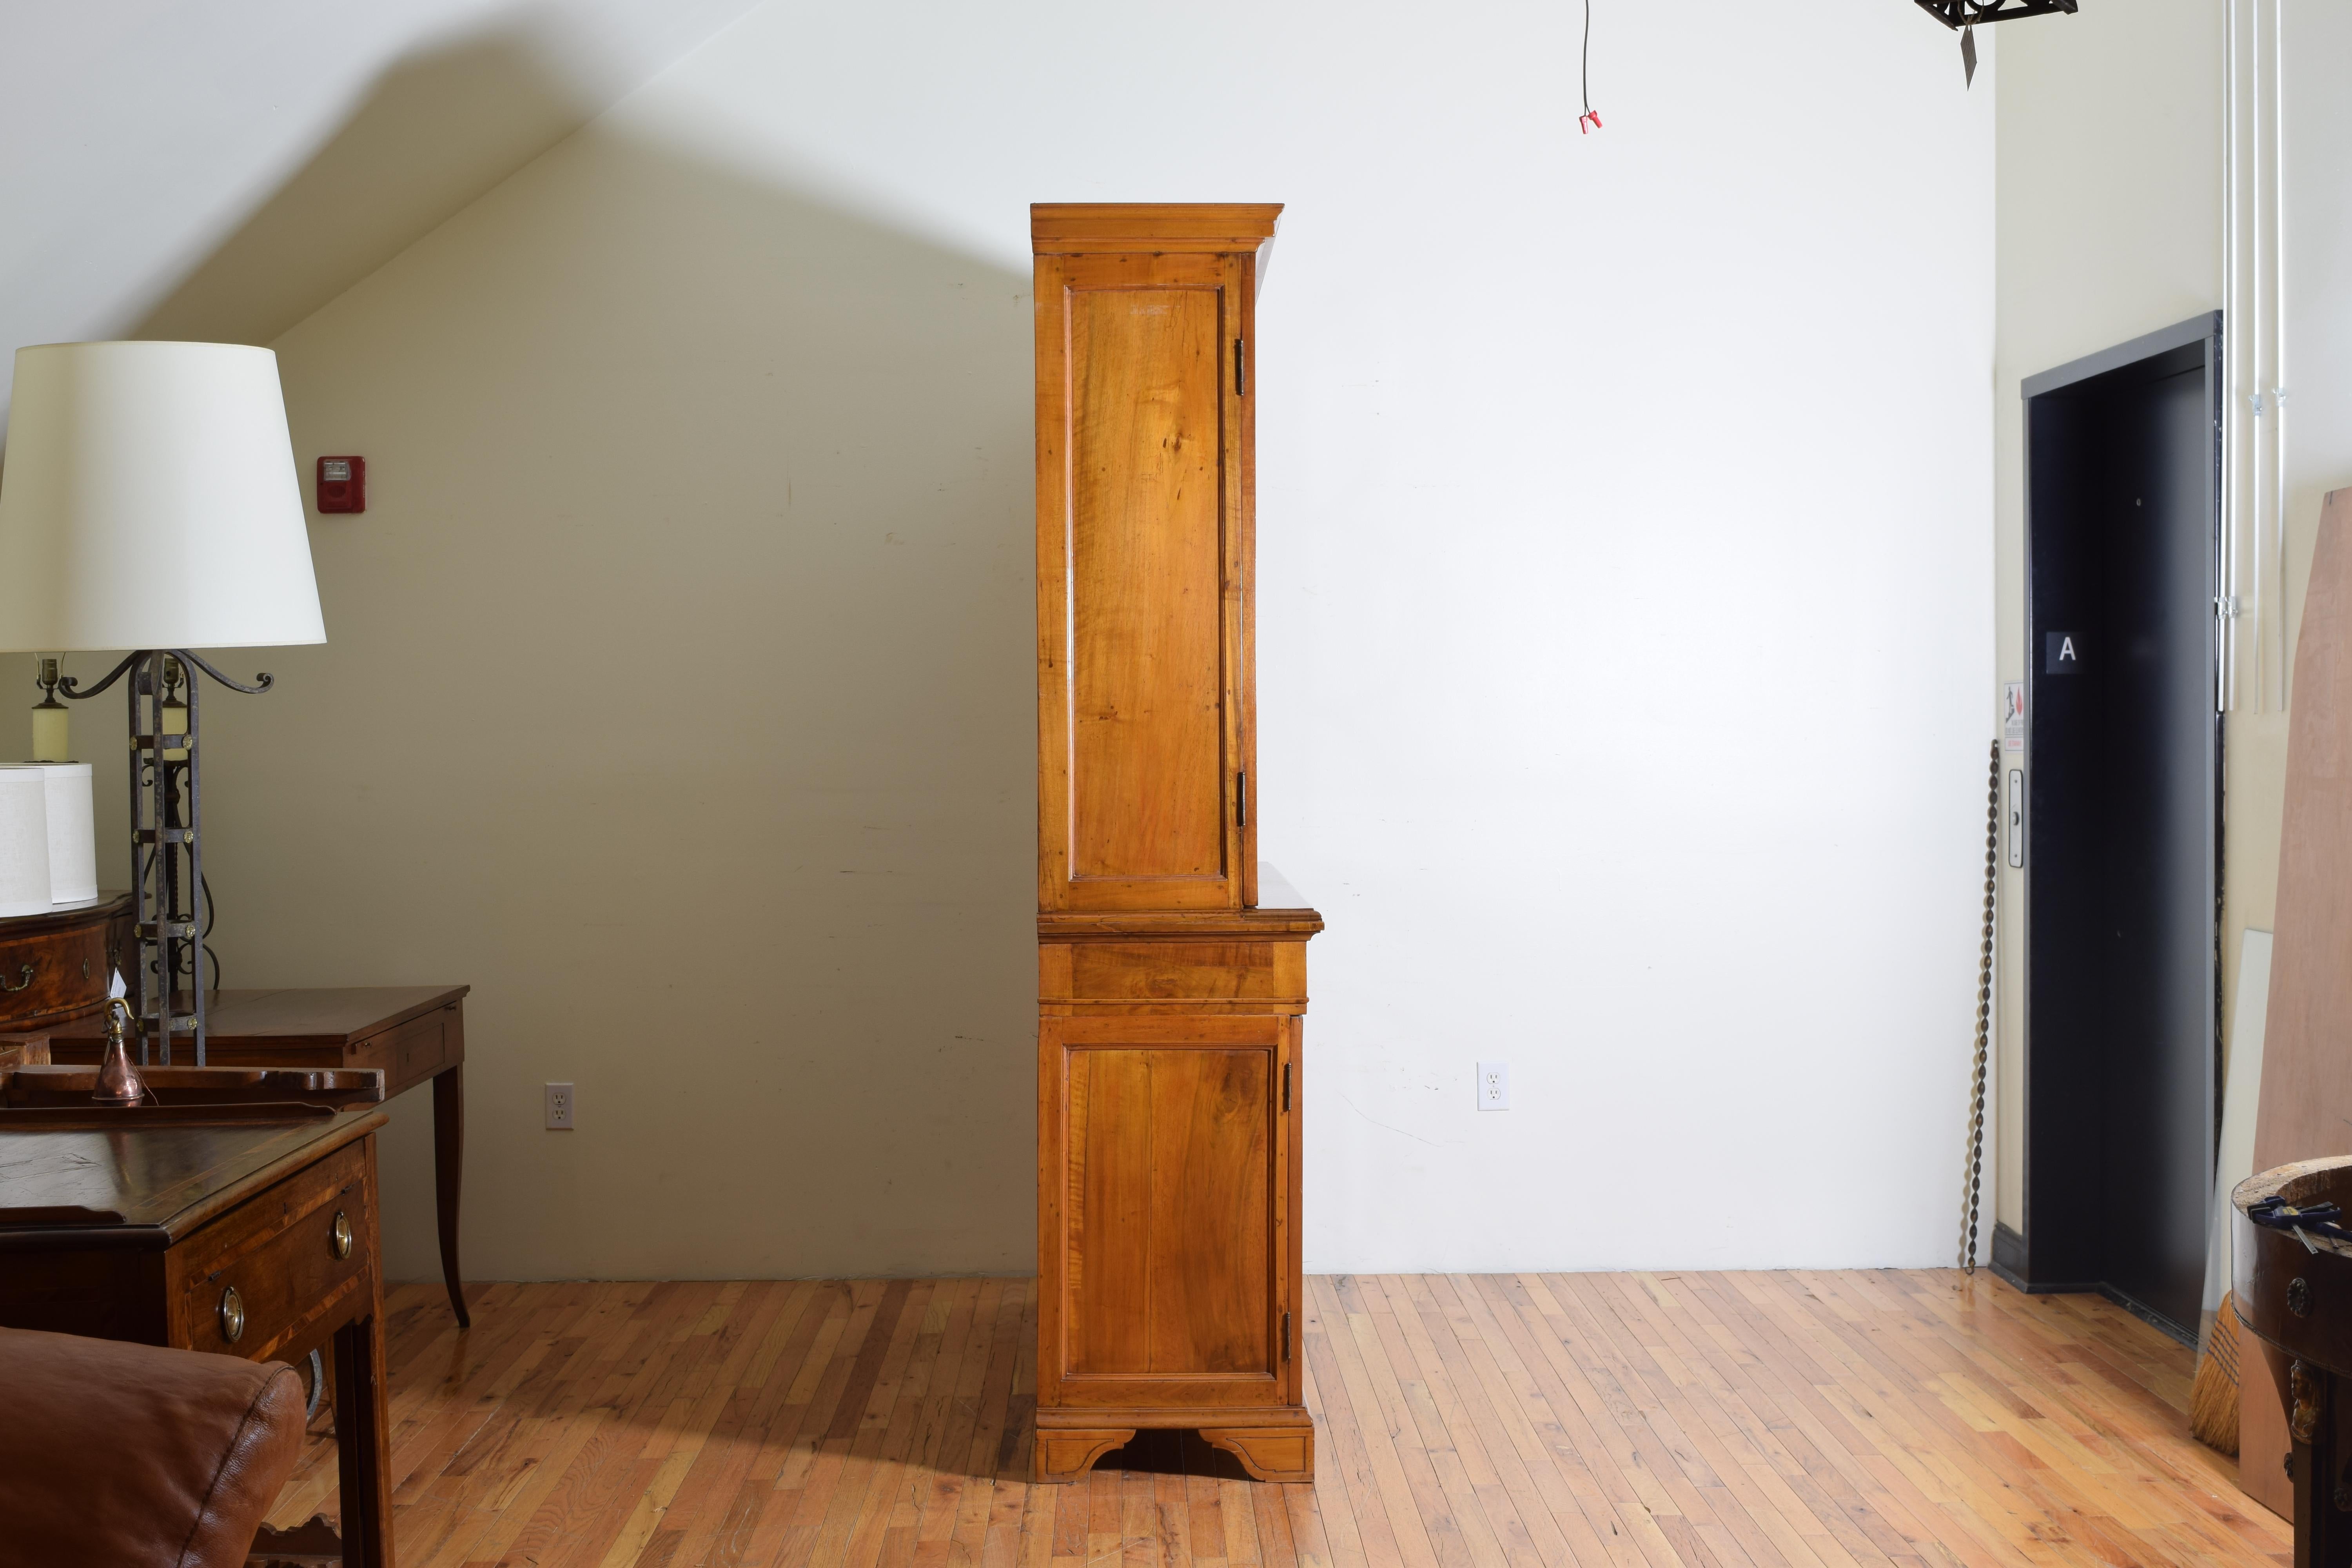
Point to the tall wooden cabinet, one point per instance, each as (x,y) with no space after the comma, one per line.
(1168,997)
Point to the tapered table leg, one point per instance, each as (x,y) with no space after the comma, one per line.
(363,1444)
(363,1412)
(448,1177)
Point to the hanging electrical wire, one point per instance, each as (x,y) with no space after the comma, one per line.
(1589,121)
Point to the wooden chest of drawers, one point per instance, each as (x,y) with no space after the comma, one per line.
(256,1241)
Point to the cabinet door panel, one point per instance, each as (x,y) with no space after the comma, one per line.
(1171,1194)
(1143,537)
(1146,656)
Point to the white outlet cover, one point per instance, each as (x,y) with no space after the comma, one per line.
(1494,1086)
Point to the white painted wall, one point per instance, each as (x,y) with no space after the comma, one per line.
(2317,214)
(2110,225)
(1624,632)
(200,168)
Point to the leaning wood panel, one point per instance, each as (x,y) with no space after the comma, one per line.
(2306,1110)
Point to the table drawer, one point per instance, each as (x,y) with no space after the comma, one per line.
(414,1051)
(56,974)
(277,1252)
(1269,971)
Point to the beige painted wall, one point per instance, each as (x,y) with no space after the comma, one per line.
(2107,193)
(677,697)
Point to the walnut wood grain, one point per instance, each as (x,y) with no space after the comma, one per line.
(147,1189)
(56,967)
(277,1251)
(2305,1107)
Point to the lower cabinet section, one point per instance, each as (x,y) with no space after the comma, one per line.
(1167,1235)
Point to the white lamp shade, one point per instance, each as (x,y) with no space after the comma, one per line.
(150,501)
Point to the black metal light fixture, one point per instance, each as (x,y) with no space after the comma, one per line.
(1962,16)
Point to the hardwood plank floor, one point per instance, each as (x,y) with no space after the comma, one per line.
(1823,1420)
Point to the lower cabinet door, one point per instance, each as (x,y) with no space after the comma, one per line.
(1166,1210)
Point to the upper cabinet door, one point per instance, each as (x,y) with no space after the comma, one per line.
(1144,547)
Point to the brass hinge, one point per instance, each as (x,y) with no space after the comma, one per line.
(1285,1086)
(1241,798)
(1285,1336)
(1241,376)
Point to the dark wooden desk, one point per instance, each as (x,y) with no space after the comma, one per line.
(413,1032)
(221,1238)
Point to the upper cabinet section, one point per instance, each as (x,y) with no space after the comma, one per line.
(1144,709)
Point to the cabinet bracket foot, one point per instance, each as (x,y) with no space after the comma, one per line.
(1268,1453)
(1068,1454)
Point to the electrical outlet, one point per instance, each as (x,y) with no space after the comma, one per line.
(1494,1086)
(559,1107)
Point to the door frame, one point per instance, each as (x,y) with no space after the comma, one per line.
(2014,1257)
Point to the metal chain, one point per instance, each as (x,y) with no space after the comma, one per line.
(1972,1167)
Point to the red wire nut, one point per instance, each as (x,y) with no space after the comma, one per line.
(1591,114)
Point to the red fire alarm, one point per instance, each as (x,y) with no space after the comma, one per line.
(342,484)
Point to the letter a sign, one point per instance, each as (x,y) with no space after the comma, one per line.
(2063,654)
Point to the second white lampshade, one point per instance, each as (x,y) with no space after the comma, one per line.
(150,501)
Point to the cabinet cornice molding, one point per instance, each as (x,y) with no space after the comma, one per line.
(1081,228)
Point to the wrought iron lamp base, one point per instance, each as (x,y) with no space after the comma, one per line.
(170,906)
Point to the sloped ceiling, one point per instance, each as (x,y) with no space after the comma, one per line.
(219,169)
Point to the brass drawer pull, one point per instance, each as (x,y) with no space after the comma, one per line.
(232,1315)
(26,972)
(339,1240)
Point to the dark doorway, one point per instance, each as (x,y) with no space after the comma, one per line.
(2122,823)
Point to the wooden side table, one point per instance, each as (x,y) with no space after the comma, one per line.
(54,967)
(248,1240)
(414,1033)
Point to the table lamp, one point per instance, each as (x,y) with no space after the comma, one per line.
(149,501)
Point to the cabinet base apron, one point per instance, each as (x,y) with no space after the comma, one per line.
(1274,1443)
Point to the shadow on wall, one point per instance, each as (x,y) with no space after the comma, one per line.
(435,133)
(678,697)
